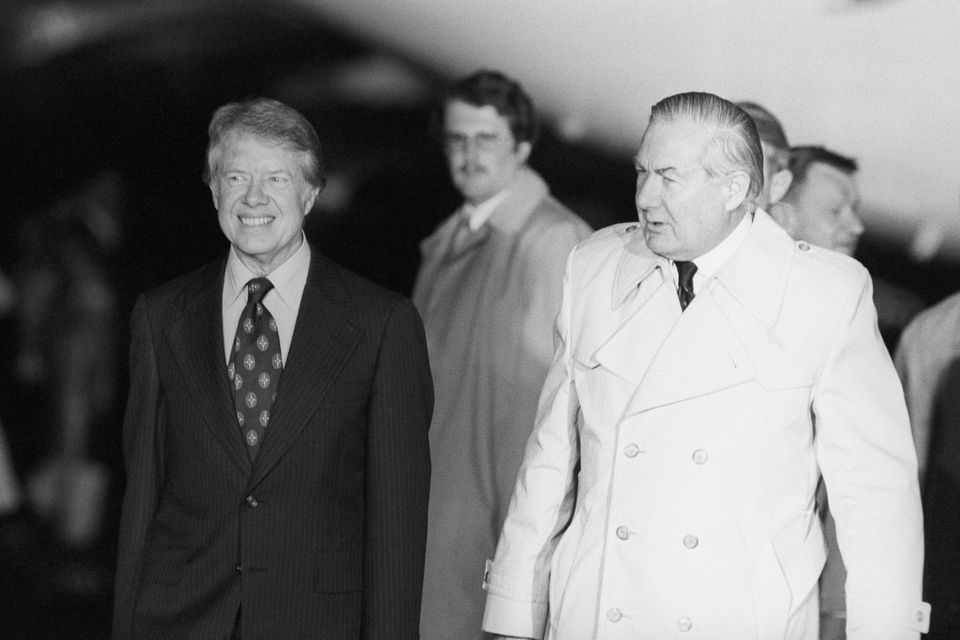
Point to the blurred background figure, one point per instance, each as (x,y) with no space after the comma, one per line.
(821,204)
(928,360)
(9,485)
(488,289)
(821,207)
(776,153)
(68,352)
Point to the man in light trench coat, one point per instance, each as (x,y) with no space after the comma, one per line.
(488,290)
(708,370)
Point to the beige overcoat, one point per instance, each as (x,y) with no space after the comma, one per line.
(488,309)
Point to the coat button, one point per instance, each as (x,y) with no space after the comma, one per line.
(252,502)
(614,615)
(684,624)
(803,246)
(700,456)
(631,228)
(631,450)
(690,541)
(622,532)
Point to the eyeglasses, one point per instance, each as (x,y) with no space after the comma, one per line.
(482,141)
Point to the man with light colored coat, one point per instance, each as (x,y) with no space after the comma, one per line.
(708,370)
(488,289)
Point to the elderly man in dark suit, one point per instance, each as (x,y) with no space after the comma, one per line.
(275,438)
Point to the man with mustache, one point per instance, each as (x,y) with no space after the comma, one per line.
(488,290)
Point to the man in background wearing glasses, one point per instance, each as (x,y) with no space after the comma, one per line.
(488,289)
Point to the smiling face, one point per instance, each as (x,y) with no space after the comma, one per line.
(482,154)
(684,211)
(261,199)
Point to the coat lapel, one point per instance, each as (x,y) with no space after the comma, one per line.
(708,347)
(700,355)
(196,341)
(642,293)
(322,342)
(525,192)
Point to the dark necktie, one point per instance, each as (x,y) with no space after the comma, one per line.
(256,365)
(685,291)
(462,237)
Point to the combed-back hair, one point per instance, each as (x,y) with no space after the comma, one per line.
(734,144)
(802,157)
(269,120)
(485,87)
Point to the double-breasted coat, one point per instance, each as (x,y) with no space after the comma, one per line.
(668,487)
(322,536)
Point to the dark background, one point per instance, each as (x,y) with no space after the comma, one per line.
(132,92)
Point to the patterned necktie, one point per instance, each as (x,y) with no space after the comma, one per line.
(685,291)
(256,365)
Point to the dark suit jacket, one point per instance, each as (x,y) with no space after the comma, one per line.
(323,536)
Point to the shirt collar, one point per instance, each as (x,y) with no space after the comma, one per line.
(288,279)
(478,214)
(709,263)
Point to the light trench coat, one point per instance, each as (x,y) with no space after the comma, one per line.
(488,306)
(668,487)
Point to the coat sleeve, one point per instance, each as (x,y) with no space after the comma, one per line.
(920,366)
(397,479)
(143,455)
(517,581)
(868,461)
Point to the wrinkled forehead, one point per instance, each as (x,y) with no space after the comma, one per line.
(677,143)
(242,145)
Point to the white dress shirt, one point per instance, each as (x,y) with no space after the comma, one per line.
(283,301)
(709,263)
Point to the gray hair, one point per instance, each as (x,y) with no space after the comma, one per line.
(734,144)
(269,120)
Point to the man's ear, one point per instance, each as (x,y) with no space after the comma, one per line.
(735,189)
(779,183)
(523,151)
(785,215)
(311,200)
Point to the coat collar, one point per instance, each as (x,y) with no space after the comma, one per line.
(668,356)
(524,194)
(755,275)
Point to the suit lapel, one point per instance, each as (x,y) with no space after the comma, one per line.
(323,340)
(196,341)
